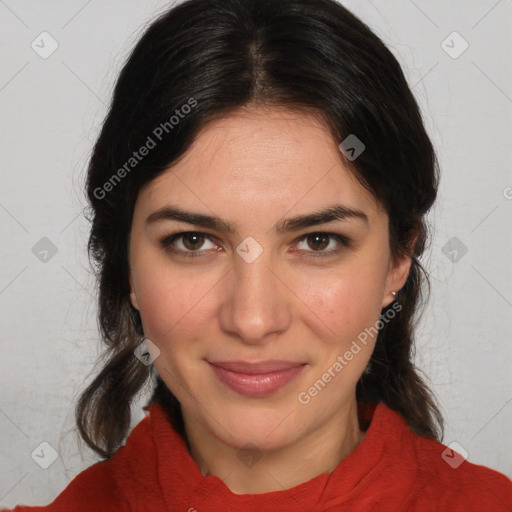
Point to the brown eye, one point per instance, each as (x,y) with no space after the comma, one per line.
(318,241)
(193,241)
(190,244)
(323,244)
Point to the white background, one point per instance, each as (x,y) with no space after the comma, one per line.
(51,111)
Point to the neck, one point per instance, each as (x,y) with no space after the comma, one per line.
(249,471)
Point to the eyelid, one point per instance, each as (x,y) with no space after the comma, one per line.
(168,240)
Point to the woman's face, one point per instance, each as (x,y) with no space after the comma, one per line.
(247,320)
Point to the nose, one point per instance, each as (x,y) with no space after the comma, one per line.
(257,305)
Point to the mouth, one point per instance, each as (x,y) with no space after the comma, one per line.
(256,379)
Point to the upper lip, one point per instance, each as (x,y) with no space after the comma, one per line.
(268,366)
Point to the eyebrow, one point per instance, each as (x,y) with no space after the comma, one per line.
(330,214)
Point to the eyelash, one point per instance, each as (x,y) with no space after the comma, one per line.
(167,242)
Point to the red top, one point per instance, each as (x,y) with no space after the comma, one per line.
(391,470)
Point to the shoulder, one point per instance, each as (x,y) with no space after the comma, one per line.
(96,484)
(433,476)
(105,483)
(454,483)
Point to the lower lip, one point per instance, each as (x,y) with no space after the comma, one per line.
(263,384)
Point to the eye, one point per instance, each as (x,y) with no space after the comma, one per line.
(321,241)
(190,244)
(187,243)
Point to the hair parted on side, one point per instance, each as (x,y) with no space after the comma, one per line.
(218,56)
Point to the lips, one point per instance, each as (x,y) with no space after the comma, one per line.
(256,368)
(256,379)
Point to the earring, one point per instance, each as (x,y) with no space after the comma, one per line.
(393,294)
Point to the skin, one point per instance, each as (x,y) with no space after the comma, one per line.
(254,168)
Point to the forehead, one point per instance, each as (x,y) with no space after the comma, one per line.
(258,157)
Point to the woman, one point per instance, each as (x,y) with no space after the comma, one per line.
(258,194)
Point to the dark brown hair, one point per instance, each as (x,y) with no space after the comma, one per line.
(221,55)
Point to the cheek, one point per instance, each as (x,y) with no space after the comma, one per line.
(342,302)
(331,299)
(173,305)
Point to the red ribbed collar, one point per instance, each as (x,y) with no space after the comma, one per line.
(184,488)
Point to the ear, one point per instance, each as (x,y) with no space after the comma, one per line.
(396,278)
(398,273)
(133,300)
(133,296)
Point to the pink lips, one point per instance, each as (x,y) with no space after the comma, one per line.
(256,379)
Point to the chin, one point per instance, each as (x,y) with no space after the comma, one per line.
(267,429)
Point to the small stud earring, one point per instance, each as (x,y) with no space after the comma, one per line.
(393,294)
